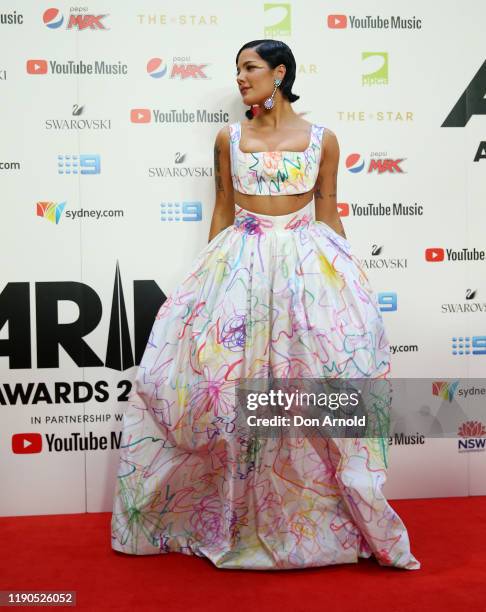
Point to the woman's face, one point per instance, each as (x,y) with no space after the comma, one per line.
(255,77)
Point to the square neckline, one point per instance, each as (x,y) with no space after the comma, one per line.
(311,134)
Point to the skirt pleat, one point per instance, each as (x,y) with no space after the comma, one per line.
(269,297)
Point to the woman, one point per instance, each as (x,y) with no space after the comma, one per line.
(274,294)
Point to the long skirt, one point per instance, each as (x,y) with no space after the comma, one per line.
(269,297)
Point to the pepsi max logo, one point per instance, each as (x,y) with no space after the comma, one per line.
(78,20)
(354,163)
(182,70)
(379,165)
(156,68)
(53,18)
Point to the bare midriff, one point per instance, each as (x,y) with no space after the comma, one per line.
(273,205)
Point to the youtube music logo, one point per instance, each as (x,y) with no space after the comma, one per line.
(140,115)
(26,443)
(36,66)
(343,209)
(337,22)
(434,254)
(464,254)
(370,22)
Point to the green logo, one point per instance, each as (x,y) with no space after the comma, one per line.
(277,20)
(379,76)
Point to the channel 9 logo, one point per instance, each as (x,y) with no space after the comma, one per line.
(388,301)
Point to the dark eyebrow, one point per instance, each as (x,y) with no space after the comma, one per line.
(247,62)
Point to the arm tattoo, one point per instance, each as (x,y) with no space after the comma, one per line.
(217,169)
(334,186)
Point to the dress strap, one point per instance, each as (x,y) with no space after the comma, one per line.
(317,144)
(318,130)
(235,131)
(235,135)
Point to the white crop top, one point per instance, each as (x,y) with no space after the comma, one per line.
(275,172)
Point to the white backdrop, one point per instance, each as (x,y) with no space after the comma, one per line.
(384,91)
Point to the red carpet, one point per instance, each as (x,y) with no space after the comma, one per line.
(72,552)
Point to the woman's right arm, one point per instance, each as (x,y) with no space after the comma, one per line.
(224,207)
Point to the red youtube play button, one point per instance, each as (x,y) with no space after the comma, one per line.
(26,443)
(337,22)
(434,254)
(343,209)
(140,115)
(36,66)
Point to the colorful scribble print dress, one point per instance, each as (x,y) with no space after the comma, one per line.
(279,296)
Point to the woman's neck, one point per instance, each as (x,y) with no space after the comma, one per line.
(281,113)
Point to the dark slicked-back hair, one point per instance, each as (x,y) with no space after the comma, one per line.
(275,52)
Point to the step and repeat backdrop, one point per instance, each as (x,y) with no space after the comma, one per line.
(108,114)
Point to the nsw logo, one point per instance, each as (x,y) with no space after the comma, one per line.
(473,434)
